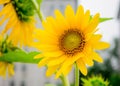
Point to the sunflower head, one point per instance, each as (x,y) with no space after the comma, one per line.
(71,42)
(21,23)
(95,81)
(24,9)
(69,39)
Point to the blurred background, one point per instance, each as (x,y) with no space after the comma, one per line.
(31,75)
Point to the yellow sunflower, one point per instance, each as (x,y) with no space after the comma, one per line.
(20,20)
(5,66)
(69,39)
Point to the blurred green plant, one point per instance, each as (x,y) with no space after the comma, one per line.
(94,81)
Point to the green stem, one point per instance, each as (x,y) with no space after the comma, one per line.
(64,80)
(38,11)
(76,75)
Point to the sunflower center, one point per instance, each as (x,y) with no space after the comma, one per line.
(72,42)
(24,9)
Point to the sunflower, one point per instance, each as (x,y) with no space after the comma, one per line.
(5,66)
(69,39)
(19,14)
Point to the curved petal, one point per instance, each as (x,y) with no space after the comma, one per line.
(93,24)
(56,61)
(3,68)
(88,61)
(86,19)
(101,45)
(38,56)
(69,61)
(62,25)
(10,70)
(4,1)
(79,16)
(67,70)
(51,70)
(70,16)
(82,67)
(97,57)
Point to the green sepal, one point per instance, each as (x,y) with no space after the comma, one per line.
(104,19)
(20,56)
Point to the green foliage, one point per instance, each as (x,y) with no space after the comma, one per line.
(20,56)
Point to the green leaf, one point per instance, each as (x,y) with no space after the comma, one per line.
(20,56)
(105,19)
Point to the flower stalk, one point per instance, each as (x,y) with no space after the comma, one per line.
(38,11)
(76,75)
(64,80)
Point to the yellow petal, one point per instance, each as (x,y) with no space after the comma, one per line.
(70,16)
(45,37)
(69,61)
(3,19)
(86,19)
(9,24)
(67,70)
(47,47)
(56,61)
(82,67)
(4,1)
(95,38)
(53,54)
(3,68)
(79,16)
(87,60)
(97,57)
(93,24)
(51,70)
(62,25)
(43,61)
(50,26)
(59,72)
(11,69)
(101,45)
(7,13)
(38,56)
